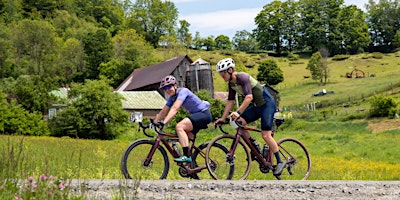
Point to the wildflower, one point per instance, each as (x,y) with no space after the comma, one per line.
(43,177)
(1,187)
(61,186)
(31,179)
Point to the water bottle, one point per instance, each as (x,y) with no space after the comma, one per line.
(265,151)
(175,147)
(255,144)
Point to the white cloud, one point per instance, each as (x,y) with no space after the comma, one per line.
(228,22)
(222,21)
(359,3)
(182,1)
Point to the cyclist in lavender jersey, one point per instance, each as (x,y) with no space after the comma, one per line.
(199,110)
(258,103)
(191,102)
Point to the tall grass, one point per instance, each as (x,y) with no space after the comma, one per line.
(350,144)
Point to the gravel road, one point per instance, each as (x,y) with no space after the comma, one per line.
(195,189)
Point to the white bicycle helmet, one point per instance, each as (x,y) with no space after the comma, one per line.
(225,64)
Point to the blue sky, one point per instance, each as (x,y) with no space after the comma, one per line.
(225,17)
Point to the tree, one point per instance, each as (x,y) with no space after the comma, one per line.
(207,43)
(71,60)
(98,49)
(15,120)
(6,68)
(32,92)
(222,42)
(315,65)
(153,19)
(270,27)
(269,73)
(245,41)
(10,11)
(95,112)
(183,33)
(197,40)
(132,51)
(34,41)
(353,29)
(277,26)
(38,9)
(396,40)
(383,22)
(320,24)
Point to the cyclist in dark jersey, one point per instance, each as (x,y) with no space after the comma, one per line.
(199,110)
(258,103)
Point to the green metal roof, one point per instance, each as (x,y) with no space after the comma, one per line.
(142,100)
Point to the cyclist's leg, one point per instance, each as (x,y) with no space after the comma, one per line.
(187,127)
(251,114)
(267,117)
(181,128)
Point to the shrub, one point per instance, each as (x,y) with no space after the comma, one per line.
(377,55)
(293,57)
(340,57)
(382,106)
(16,120)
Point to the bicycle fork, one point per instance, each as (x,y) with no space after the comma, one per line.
(149,156)
(230,156)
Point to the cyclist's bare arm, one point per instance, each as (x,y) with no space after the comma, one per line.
(162,114)
(246,102)
(228,107)
(174,109)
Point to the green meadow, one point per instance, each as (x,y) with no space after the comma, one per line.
(337,134)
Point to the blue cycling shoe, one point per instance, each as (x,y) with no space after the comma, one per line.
(183,159)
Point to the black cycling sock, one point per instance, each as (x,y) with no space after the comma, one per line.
(278,157)
(185,151)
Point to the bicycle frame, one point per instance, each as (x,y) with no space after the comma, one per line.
(160,138)
(239,135)
(240,150)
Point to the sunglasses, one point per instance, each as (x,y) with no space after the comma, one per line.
(167,87)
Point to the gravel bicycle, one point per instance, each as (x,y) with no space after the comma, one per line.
(148,159)
(294,153)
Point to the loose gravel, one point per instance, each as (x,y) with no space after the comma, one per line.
(209,189)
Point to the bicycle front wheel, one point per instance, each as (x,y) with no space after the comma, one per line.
(224,165)
(298,161)
(137,163)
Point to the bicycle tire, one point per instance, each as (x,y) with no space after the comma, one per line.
(132,163)
(301,168)
(199,157)
(220,167)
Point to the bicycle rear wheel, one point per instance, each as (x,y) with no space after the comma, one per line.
(199,160)
(133,161)
(298,161)
(218,161)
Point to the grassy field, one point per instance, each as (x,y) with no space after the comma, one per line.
(341,149)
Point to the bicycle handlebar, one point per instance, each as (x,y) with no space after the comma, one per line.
(238,123)
(152,125)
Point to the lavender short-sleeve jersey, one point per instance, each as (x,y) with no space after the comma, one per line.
(191,102)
